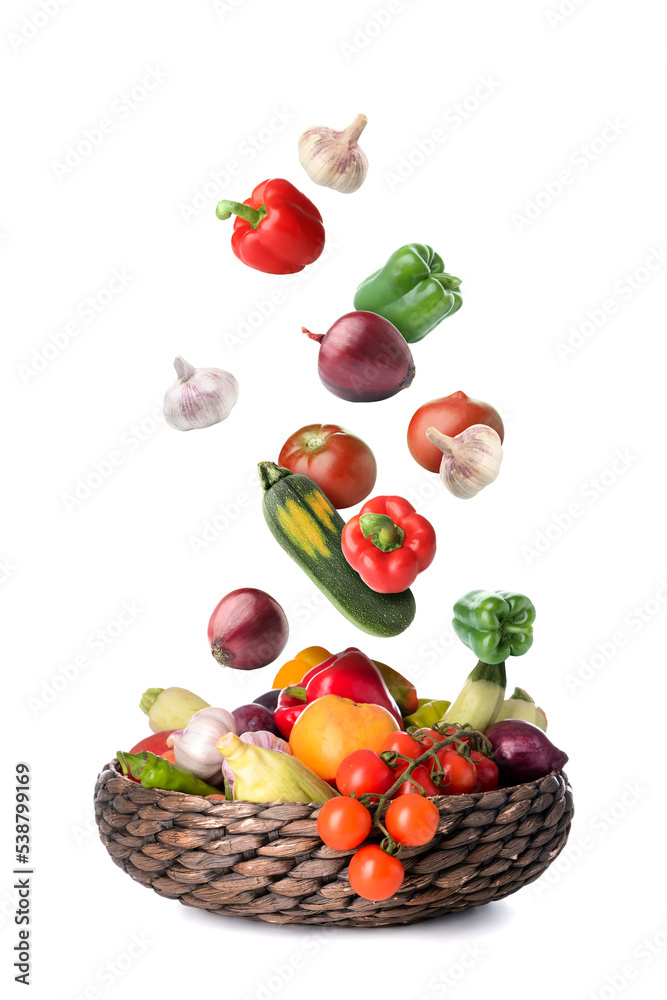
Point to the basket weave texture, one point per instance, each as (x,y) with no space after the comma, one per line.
(266,861)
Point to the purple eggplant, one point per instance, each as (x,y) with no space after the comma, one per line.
(522,751)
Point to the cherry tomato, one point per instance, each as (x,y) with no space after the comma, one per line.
(421,774)
(450,415)
(374,874)
(460,774)
(411,820)
(427,738)
(405,744)
(487,772)
(343,823)
(363,772)
(341,464)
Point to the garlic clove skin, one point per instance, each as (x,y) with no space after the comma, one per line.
(195,747)
(470,461)
(333,159)
(200,398)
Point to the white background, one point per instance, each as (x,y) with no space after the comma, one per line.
(520,94)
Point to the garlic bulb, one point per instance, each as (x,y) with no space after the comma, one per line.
(332,158)
(200,398)
(470,461)
(195,747)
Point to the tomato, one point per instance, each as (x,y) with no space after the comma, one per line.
(450,415)
(422,774)
(412,820)
(460,774)
(341,464)
(363,771)
(343,823)
(487,772)
(374,874)
(156,742)
(403,743)
(427,738)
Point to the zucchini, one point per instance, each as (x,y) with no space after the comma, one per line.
(309,528)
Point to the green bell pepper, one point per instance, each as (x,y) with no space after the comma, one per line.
(412,290)
(494,625)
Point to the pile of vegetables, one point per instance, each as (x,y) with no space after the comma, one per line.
(343,729)
(352,733)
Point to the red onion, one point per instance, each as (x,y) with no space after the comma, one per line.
(523,752)
(248,629)
(363,358)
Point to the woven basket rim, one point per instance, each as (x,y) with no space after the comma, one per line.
(114,765)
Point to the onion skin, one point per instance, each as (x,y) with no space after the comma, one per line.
(523,752)
(248,629)
(363,358)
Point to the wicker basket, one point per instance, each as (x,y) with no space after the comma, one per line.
(265,860)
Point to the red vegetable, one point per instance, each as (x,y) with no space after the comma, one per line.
(374,874)
(248,629)
(412,820)
(277,229)
(363,358)
(341,464)
(487,772)
(388,544)
(363,772)
(450,415)
(288,710)
(343,823)
(350,674)
(523,752)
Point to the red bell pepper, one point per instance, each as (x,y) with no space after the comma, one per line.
(388,544)
(277,229)
(289,708)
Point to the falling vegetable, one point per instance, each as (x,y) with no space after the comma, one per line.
(277,230)
(388,544)
(200,398)
(494,625)
(247,629)
(333,159)
(412,290)
(170,708)
(470,461)
(363,358)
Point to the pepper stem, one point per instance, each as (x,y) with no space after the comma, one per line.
(382,531)
(225,210)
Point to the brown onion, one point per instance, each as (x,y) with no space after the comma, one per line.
(248,629)
(363,358)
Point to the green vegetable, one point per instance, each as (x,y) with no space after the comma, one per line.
(481,697)
(170,708)
(494,625)
(413,291)
(309,528)
(156,772)
(521,706)
(427,714)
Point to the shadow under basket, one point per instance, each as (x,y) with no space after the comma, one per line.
(265,860)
